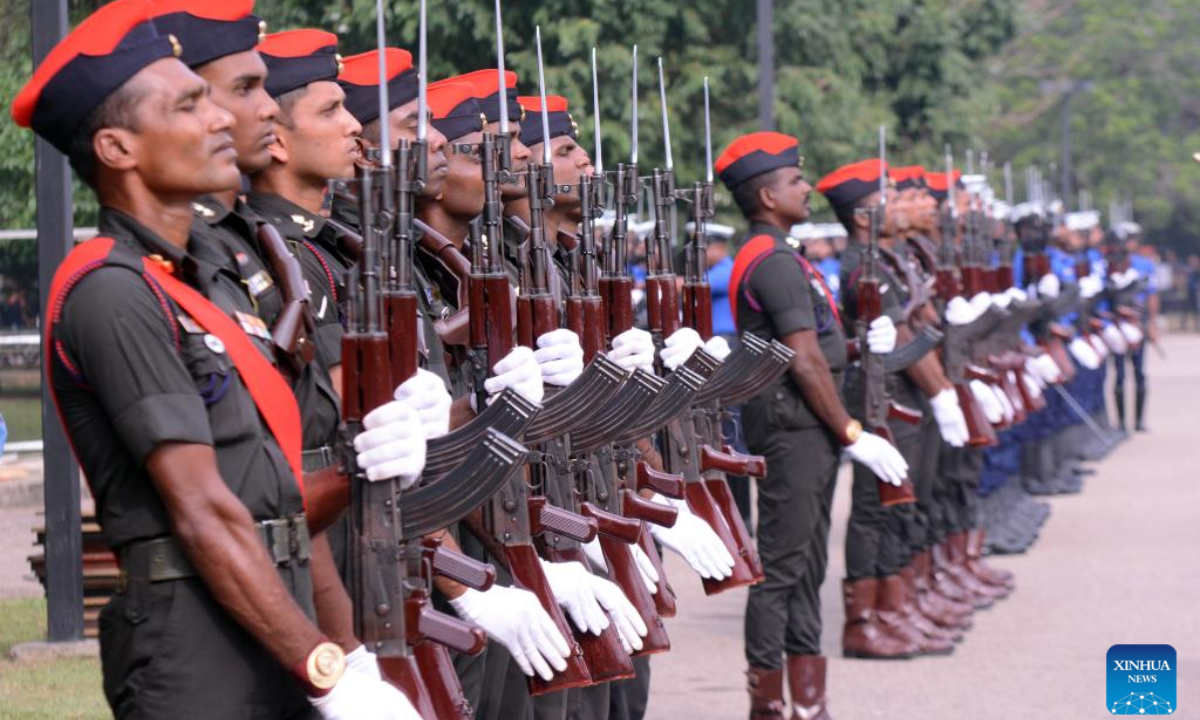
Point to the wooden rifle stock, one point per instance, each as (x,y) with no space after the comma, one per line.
(544,517)
(290,333)
(979,431)
(731,462)
(663,483)
(612,525)
(458,567)
(639,508)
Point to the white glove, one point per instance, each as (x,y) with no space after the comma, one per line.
(1048,370)
(633,349)
(960,312)
(880,457)
(1090,286)
(881,335)
(1007,410)
(560,357)
(517,370)
(987,400)
(1084,353)
(426,393)
(696,542)
(595,555)
(515,619)
(718,347)
(571,584)
(981,303)
(364,662)
(358,696)
(1099,346)
(1049,286)
(1114,339)
(1001,300)
(950,419)
(1133,334)
(630,626)
(1031,385)
(1125,279)
(392,444)
(679,347)
(1016,294)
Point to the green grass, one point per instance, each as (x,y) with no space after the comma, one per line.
(23,415)
(66,689)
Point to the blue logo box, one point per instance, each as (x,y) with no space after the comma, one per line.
(1141,680)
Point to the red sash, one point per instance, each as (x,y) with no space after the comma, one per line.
(751,255)
(272,395)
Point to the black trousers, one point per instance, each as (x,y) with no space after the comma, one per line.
(783,613)
(959,471)
(169,651)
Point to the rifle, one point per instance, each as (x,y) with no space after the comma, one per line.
(680,446)
(876,407)
(290,333)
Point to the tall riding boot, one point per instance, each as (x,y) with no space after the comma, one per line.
(958,556)
(864,636)
(915,616)
(947,613)
(988,573)
(1139,409)
(948,575)
(806,678)
(1119,401)
(766,694)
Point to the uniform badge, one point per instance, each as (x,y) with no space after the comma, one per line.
(259,283)
(306,224)
(324,306)
(189,325)
(253,325)
(204,211)
(792,242)
(212,342)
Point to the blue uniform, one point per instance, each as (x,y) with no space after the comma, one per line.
(722,314)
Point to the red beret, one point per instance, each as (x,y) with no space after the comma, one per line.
(296,58)
(209,29)
(488,94)
(560,120)
(755,154)
(850,183)
(911,176)
(938,186)
(360,79)
(454,108)
(87,66)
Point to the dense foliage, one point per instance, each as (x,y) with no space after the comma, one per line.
(974,73)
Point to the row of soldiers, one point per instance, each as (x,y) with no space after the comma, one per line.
(357,385)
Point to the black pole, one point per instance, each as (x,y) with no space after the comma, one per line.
(766,65)
(64,563)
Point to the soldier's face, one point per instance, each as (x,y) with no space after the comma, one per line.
(791,193)
(520,159)
(237,85)
(462,190)
(183,145)
(404,122)
(898,213)
(570,162)
(320,143)
(922,209)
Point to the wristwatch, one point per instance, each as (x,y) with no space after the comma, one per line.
(852,433)
(324,666)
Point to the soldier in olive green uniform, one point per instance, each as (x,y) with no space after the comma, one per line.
(797,424)
(187,434)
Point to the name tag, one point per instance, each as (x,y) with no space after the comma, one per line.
(253,326)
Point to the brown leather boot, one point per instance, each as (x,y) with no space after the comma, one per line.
(914,615)
(939,608)
(889,608)
(955,582)
(988,573)
(957,544)
(864,636)
(766,694)
(806,679)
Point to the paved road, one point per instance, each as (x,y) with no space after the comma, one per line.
(1119,564)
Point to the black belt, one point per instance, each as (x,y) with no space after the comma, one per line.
(161,559)
(317,459)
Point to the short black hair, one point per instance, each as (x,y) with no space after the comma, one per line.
(846,213)
(746,194)
(117,111)
(287,103)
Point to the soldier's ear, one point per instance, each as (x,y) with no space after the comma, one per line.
(766,197)
(279,148)
(115,148)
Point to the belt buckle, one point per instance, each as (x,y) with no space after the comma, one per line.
(278,542)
